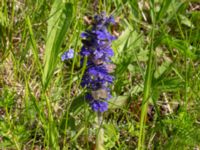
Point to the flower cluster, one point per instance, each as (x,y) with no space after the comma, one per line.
(68,55)
(97,47)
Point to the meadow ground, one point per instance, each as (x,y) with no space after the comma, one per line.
(155,95)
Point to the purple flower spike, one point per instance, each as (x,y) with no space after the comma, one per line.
(97,47)
(68,55)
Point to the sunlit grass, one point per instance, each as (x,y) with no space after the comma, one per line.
(156,97)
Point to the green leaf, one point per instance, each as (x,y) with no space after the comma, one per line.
(128,41)
(58,24)
(162,68)
(75,107)
(111,135)
(182,46)
(163,10)
(33,42)
(186,21)
(118,102)
(135,8)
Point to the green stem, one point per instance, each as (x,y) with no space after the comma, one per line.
(50,118)
(51,130)
(100,133)
(147,88)
(69,97)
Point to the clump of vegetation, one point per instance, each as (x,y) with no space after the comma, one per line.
(155,95)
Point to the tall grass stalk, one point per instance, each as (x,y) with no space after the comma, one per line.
(185,64)
(52,140)
(33,42)
(69,90)
(147,90)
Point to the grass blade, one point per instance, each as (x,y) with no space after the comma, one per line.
(59,22)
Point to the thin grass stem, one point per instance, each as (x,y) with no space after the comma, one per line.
(147,88)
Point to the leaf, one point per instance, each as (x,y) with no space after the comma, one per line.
(186,21)
(182,46)
(135,8)
(33,42)
(128,41)
(118,102)
(162,68)
(169,84)
(75,107)
(163,10)
(58,24)
(111,135)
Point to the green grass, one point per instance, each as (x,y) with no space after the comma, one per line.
(156,98)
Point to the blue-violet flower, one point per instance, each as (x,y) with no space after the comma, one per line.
(97,47)
(68,55)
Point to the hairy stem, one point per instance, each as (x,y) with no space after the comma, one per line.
(100,132)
